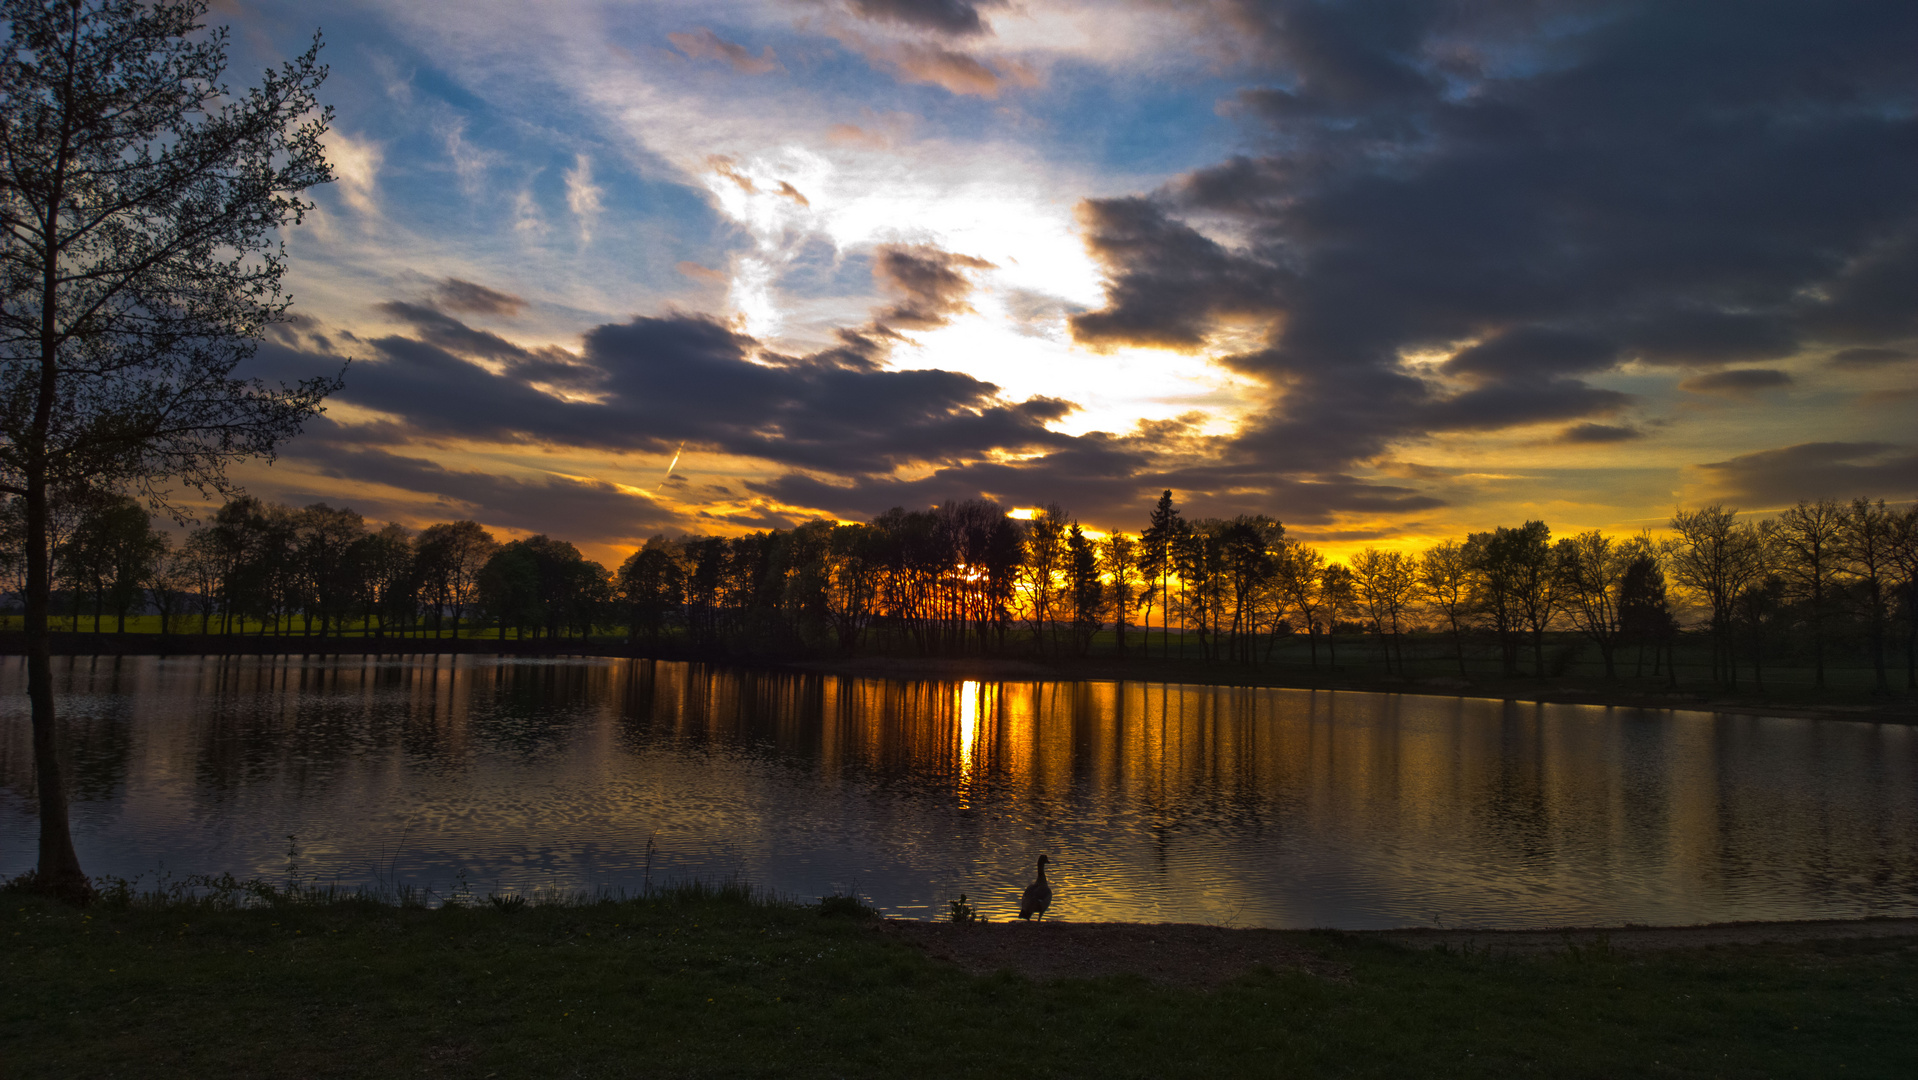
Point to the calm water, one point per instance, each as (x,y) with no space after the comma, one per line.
(1188,803)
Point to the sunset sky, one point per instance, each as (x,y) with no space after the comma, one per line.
(1386,271)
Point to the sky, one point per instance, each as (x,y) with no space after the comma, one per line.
(1387,271)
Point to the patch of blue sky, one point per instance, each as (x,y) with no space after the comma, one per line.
(1102,118)
(819,269)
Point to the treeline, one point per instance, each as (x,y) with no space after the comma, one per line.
(969,577)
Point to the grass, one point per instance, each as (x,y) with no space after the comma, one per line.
(718,982)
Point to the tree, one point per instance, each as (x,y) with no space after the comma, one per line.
(451,556)
(388,580)
(1041,569)
(169,580)
(328,549)
(1247,545)
(139,198)
(1715,556)
(1445,578)
(1386,582)
(649,586)
(1338,596)
(1299,573)
(1591,569)
(1643,615)
(1120,553)
(1084,591)
(1868,532)
(1158,546)
(1810,543)
(1904,558)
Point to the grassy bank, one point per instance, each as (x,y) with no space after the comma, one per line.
(710,985)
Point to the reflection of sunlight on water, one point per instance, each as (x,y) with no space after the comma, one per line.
(1188,803)
(968,736)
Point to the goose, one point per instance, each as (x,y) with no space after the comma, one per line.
(1038,895)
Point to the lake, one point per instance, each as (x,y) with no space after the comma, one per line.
(1246,807)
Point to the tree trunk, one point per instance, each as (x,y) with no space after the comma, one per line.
(58,872)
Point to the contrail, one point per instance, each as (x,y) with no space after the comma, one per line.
(669,468)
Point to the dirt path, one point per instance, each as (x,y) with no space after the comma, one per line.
(1183,954)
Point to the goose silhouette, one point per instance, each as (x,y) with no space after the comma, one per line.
(1038,895)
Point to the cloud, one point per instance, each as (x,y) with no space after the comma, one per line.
(930,282)
(934,64)
(1167,284)
(1738,382)
(1867,357)
(356,169)
(455,294)
(651,383)
(788,191)
(1598,434)
(697,272)
(1821,470)
(583,196)
(703,44)
(837,431)
(1462,216)
(959,18)
(567,507)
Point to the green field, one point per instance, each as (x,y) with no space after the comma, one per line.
(705,985)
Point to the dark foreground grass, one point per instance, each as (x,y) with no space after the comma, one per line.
(705,985)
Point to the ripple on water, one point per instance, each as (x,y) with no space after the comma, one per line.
(1228,805)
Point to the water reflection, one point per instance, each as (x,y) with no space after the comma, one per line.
(1154,802)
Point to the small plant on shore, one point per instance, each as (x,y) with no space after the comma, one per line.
(847,906)
(507,904)
(961,912)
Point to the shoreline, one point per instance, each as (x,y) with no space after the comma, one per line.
(1900,707)
(1199,955)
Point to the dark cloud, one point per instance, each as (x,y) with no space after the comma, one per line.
(1598,434)
(559,505)
(1167,284)
(1531,353)
(928,280)
(652,383)
(1564,185)
(959,18)
(454,294)
(703,44)
(1738,382)
(1111,481)
(1868,357)
(1834,470)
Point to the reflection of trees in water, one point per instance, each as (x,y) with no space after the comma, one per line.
(1045,751)
(1513,808)
(532,709)
(1450,794)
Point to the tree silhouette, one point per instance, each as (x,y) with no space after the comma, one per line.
(138,202)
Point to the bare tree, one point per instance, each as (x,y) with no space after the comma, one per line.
(1810,541)
(1041,569)
(1869,532)
(1715,556)
(1299,571)
(138,202)
(1591,569)
(1904,557)
(1386,583)
(1445,577)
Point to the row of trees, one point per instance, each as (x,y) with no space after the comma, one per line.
(969,577)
